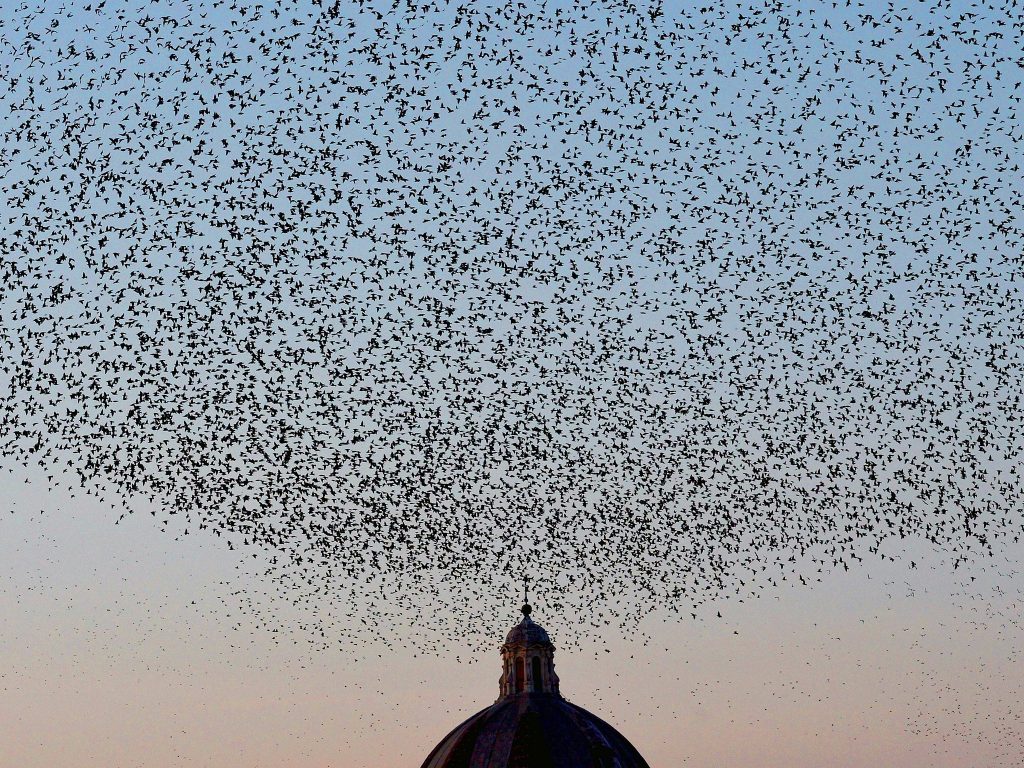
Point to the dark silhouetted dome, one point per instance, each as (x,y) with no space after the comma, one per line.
(534,730)
(531,725)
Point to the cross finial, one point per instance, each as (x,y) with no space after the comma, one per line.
(526,596)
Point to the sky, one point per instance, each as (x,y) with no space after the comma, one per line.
(347,315)
(123,646)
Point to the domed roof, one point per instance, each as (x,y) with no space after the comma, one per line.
(531,725)
(534,730)
(527,632)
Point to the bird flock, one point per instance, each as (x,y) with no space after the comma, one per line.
(652,302)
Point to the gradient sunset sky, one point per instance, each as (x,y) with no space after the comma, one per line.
(125,647)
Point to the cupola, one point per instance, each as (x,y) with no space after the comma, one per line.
(528,660)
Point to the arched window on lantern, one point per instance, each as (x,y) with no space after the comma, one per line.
(520,675)
(538,684)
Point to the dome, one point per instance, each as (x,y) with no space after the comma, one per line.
(527,632)
(531,725)
(534,730)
